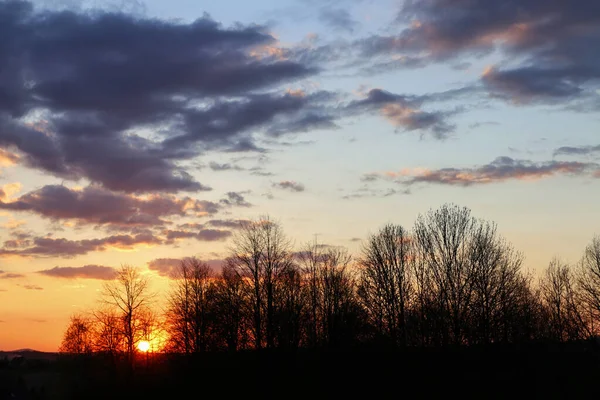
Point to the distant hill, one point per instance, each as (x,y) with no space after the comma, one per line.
(28,354)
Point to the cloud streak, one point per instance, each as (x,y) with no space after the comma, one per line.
(96,205)
(500,170)
(289,185)
(577,150)
(61,247)
(99,272)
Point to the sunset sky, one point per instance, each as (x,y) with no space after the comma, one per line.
(140,132)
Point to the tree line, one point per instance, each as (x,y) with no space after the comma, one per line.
(451,280)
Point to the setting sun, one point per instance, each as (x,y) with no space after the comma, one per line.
(143,346)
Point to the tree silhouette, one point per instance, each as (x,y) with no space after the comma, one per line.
(189,307)
(385,284)
(260,253)
(562,308)
(589,283)
(232,308)
(128,296)
(78,337)
(452,280)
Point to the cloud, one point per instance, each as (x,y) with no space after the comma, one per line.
(203,235)
(7,191)
(500,170)
(164,266)
(235,199)
(96,205)
(86,272)
(577,151)
(79,91)
(34,287)
(167,267)
(289,185)
(228,223)
(550,40)
(405,111)
(51,247)
(7,158)
(224,167)
(7,275)
(338,18)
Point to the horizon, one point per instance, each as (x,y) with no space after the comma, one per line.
(143,132)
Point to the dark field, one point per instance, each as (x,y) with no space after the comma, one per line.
(569,370)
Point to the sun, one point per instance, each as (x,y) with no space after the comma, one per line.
(143,346)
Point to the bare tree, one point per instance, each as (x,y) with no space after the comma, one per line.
(260,252)
(290,305)
(385,282)
(311,259)
(340,311)
(588,276)
(497,278)
(331,306)
(559,297)
(189,302)
(232,307)
(108,331)
(443,238)
(129,296)
(78,337)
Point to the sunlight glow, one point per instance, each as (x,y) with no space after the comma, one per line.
(143,346)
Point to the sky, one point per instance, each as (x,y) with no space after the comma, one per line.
(141,132)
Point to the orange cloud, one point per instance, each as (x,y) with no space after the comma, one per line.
(7,158)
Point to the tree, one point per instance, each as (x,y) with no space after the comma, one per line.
(232,306)
(128,297)
(496,269)
(443,240)
(589,282)
(290,304)
(340,311)
(108,331)
(331,307)
(78,337)
(385,281)
(558,291)
(260,252)
(189,307)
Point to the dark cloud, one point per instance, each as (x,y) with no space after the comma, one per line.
(220,125)
(78,90)
(86,272)
(7,275)
(338,18)
(235,199)
(577,151)
(51,247)
(307,122)
(164,266)
(500,170)
(96,205)
(289,185)
(551,39)
(228,223)
(203,235)
(404,111)
(224,167)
